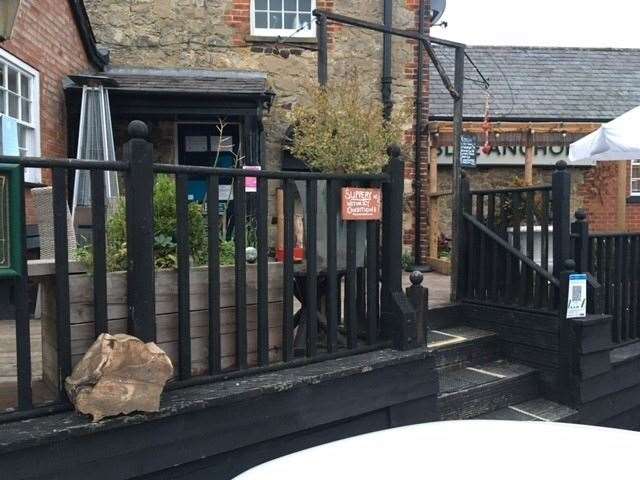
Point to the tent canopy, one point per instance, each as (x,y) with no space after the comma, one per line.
(616,140)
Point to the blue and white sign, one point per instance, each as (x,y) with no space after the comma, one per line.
(577,298)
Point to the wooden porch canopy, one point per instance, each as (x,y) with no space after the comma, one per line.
(179,95)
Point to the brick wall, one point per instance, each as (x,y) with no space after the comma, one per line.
(411,72)
(599,194)
(45,37)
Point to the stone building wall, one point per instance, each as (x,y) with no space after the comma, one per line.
(215,34)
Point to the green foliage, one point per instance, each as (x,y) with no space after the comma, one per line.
(342,130)
(165,226)
(406,260)
(511,212)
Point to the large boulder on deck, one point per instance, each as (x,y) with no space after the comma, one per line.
(119,374)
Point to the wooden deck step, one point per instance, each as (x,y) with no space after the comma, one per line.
(462,346)
(470,391)
(537,410)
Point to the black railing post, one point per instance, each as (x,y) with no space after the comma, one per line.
(141,268)
(580,231)
(419,298)
(465,207)
(398,316)
(565,342)
(392,196)
(561,207)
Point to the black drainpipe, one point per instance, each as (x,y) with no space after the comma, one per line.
(386,60)
(417,176)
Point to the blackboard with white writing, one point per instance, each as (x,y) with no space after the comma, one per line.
(468,151)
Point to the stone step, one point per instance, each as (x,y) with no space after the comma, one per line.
(462,346)
(537,410)
(470,391)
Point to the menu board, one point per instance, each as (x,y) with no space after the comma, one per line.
(468,151)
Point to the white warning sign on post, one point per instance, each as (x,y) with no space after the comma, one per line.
(577,298)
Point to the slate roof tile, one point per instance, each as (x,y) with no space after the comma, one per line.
(541,83)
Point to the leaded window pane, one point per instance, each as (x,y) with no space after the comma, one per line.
(26,110)
(275,4)
(290,21)
(262,20)
(305,19)
(25,86)
(261,4)
(290,5)
(275,20)
(14,105)
(12,78)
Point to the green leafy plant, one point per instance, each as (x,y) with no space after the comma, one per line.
(342,130)
(510,212)
(165,227)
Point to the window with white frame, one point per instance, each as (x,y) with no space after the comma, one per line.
(285,18)
(19,100)
(635,177)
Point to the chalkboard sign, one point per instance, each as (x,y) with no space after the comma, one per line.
(468,151)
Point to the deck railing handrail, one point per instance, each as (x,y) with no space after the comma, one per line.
(377,313)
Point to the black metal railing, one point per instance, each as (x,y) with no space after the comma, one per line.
(612,260)
(513,243)
(362,305)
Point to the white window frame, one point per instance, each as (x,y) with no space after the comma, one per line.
(632,178)
(282,32)
(32,175)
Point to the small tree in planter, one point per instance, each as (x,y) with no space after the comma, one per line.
(342,130)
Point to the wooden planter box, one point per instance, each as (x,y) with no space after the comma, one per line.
(166,287)
(440,265)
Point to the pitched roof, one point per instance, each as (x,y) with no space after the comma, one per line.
(538,83)
(186,80)
(177,81)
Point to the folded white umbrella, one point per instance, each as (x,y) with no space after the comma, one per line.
(617,140)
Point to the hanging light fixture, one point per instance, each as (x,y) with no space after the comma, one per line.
(8,12)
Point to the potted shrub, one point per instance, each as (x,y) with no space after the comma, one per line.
(341,130)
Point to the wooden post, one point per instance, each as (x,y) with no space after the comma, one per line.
(141,269)
(434,200)
(392,231)
(621,197)
(323,60)
(397,313)
(580,231)
(528,161)
(419,298)
(456,170)
(561,204)
(565,343)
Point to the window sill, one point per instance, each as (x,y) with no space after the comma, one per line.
(633,199)
(284,40)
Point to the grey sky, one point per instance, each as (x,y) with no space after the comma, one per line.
(564,23)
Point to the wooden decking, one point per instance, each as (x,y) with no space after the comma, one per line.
(8,369)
